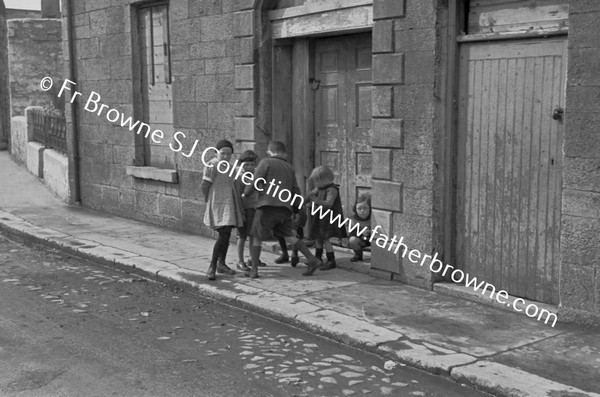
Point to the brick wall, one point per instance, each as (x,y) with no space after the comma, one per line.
(204,105)
(403,103)
(34,51)
(580,237)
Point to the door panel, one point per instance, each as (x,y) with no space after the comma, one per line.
(510,162)
(343,112)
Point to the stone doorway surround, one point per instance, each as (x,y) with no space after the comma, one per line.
(258,26)
(263,32)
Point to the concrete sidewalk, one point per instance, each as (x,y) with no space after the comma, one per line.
(495,350)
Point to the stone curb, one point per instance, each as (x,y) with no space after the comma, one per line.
(489,376)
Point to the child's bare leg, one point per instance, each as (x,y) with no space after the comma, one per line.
(300,246)
(327,245)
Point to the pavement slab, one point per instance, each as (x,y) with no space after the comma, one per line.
(347,328)
(426,356)
(453,323)
(503,380)
(289,281)
(572,358)
(150,245)
(277,306)
(148,265)
(73,243)
(197,281)
(103,253)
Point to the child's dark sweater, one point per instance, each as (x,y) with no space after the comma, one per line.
(328,197)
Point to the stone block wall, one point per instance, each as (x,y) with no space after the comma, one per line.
(580,251)
(34,51)
(35,158)
(203,55)
(251,115)
(403,102)
(56,173)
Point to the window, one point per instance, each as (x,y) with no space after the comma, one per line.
(156,87)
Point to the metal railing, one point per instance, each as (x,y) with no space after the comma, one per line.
(50,130)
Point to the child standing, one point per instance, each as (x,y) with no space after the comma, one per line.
(248,164)
(362,216)
(298,222)
(223,207)
(273,216)
(327,195)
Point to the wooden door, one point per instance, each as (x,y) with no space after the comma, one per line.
(157,94)
(510,164)
(343,112)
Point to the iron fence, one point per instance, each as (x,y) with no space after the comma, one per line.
(50,130)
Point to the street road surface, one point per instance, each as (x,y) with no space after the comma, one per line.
(73,328)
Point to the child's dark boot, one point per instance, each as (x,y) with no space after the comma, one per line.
(330,264)
(222,268)
(255,259)
(295,259)
(210,274)
(283,258)
(358,256)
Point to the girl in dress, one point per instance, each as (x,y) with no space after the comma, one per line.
(223,207)
(327,195)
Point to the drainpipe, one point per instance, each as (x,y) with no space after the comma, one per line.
(5,109)
(73,143)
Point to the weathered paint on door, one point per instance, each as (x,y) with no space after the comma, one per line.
(157,94)
(343,112)
(509,166)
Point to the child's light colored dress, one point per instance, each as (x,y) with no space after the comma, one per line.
(224,207)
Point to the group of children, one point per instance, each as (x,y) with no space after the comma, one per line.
(258,216)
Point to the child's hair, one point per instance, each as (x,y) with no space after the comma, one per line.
(363,198)
(277,147)
(248,156)
(322,176)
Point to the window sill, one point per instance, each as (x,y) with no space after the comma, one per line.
(153,173)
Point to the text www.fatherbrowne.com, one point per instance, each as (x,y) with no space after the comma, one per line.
(382,241)
(435,265)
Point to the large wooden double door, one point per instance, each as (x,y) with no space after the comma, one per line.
(343,112)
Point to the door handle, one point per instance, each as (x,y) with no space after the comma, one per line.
(558,114)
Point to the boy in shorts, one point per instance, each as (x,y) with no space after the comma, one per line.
(273,216)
